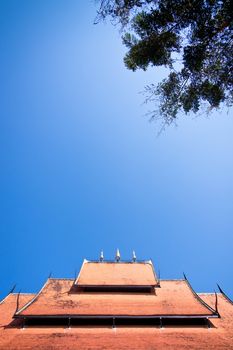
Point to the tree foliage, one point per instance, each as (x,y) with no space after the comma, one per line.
(192,38)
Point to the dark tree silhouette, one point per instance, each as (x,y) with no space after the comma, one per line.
(194,35)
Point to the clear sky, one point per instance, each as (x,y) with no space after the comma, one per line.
(82,168)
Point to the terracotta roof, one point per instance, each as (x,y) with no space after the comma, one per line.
(220,337)
(115,274)
(225,308)
(9,305)
(172,298)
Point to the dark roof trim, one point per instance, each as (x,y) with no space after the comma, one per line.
(33,299)
(10,292)
(199,298)
(122,286)
(115,316)
(17,302)
(226,297)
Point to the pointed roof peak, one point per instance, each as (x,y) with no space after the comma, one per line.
(118,255)
(134,258)
(101,255)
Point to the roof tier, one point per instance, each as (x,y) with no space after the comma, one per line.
(173,298)
(219,337)
(117,274)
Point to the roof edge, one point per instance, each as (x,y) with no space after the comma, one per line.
(61,278)
(215,312)
(5,297)
(10,292)
(33,299)
(224,294)
(77,278)
(208,293)
(154,272)
(117,316)
(172,279)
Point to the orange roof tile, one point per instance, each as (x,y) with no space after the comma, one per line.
(9,305)
(225,309)
(220,337)
(172,298)
(116,274)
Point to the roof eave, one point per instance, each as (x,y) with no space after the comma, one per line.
(117,316)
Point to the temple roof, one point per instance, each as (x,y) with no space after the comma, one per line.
(10,304)
(218,337)
(173,297)
(59,296)
(117,274)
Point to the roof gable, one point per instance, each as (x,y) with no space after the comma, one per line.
(117,274)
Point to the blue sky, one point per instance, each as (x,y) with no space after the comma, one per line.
(82,168)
